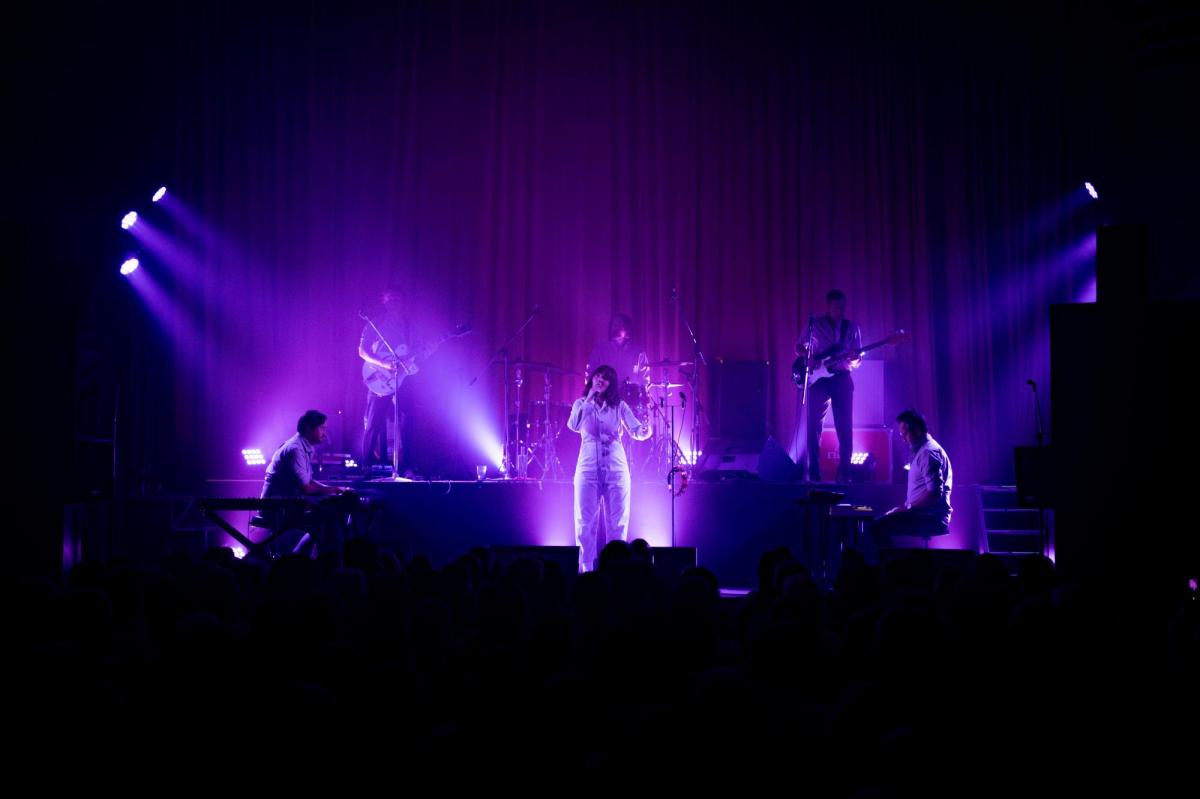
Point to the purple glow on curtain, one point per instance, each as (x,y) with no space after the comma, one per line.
(590,159)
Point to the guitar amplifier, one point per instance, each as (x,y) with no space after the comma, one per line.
(872,447)
(740,391)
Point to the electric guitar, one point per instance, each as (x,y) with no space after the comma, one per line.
(835,355)
(385,382)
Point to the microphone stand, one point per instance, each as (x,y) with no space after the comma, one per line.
(393,378)
(503,353)
(804,414)
(1037,409)
(698,361)
(808,352)
(1043,515)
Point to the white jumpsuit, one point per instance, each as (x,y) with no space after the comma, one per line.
(602,472)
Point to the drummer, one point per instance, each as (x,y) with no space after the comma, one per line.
(626,357)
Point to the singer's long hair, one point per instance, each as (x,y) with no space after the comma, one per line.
(612,395)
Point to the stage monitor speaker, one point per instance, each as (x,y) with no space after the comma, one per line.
(726,459)
(669,562)
(774,464)
(744,460)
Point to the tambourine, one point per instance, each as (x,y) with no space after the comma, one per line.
(680,482)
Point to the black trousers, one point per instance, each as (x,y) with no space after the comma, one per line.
(329,521)
(375,424)
(905,522)
(838,392)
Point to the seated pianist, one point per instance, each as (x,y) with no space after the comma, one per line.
(290,475)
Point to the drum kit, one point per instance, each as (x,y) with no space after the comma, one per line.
(662,401)
(538,424)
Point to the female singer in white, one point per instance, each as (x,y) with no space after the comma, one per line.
(602,472)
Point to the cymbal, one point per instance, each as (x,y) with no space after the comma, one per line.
(668,364)
(541,366)
(666,385)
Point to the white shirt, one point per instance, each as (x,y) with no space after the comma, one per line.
(929,471)
(602,429)
(290,469)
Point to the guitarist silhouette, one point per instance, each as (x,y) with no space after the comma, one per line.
(390,355)
(826,335)
(384,344)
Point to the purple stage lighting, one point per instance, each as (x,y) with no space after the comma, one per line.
(1092,191)
(129,267)
(254,457)
(158,195)
(128,220)
(486,440)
